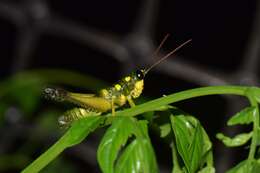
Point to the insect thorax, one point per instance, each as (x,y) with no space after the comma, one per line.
(128,87)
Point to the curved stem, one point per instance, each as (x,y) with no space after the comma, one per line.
(183,95)
(255,126)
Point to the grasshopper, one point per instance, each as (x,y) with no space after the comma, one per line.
(124,91)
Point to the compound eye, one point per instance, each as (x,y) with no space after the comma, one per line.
(140,74)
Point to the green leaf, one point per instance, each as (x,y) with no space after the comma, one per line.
(175,161)
(139,155)
(246,166)
(196,149)
(165,129)
(258,137)
(207,143)
(149,163)
(115,137)
(189,142)
(130,158)
(177,170)
(183,138)
(207,169)
(208,158)
(192,141)
(236,141)
(243,117)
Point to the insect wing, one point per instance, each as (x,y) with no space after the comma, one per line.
(98,104)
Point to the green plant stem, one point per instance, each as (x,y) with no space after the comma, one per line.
(183,95)
(61,144)
(255,126)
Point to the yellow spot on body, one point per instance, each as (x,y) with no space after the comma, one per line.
(117,87)
(127,78)
(139,85)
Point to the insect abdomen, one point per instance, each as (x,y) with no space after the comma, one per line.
(75,114)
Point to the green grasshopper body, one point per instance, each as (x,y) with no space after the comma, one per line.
(127,89)
(107,99)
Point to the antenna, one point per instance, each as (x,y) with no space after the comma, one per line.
(160,46)
(169,54)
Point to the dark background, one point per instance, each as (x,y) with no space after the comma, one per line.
(108,39)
